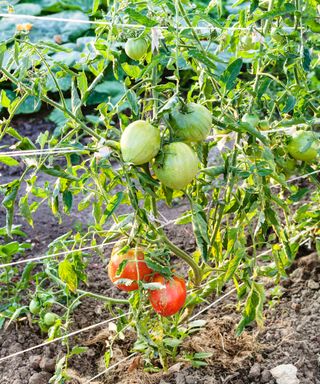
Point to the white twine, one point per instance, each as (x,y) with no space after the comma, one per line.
(134,26)
(214,303)
(111,367)
(38,258)
(39,152)
(63,337)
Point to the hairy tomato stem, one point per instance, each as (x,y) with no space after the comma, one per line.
(184,256)
(110,300)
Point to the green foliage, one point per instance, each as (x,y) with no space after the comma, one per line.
(247,206)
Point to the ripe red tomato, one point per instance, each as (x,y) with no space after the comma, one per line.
(171,299)
(136,269)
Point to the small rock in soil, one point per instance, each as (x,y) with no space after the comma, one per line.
(16,347)
(35,361)
(265,376)
(313,284)
(47,364)
(296,307)
(285,374)
(40,378)
(255,370)
(180,379)
(191,380)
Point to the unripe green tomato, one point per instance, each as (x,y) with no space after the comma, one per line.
(34,307)
(177,167)
(251,118)
(289,166)
(50,318)
(191,123)
(140,142)
(264,125)
(136,48)
(304,146)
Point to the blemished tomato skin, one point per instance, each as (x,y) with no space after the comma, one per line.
(140,142)
(171,299)
(178,166)
(303,146)
(192,123)
(136,48)
(135,269)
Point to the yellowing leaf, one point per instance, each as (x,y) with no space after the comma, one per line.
(68,275)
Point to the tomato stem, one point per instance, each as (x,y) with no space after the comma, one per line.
(184,256)
(110,300)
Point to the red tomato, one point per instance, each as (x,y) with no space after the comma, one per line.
(171,299)
(136,269)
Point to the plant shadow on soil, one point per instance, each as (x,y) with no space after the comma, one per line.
(291,332)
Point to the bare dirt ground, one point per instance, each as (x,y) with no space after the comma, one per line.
(291,332)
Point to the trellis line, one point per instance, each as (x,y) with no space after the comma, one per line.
(207,28)
(56,254)
(111,367)
(63,337)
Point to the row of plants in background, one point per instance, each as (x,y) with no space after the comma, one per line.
(216,105)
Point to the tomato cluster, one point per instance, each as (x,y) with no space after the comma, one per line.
(127,269)
(47,318)
(175,163)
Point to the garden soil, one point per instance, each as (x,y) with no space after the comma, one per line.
(290,334)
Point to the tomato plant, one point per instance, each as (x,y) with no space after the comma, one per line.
(180,117)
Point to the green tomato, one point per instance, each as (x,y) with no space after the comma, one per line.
(50,318)
(34,307)
(136,48)
(264,125)
(304,146)
(251,118)
(178,166)
(140,142)
(289,166)
(191,123)
(286,165)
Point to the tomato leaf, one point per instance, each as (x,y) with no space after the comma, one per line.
(68,275)
(57,172)
(140,18)
(10,161)
(253,307)
(230,75)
